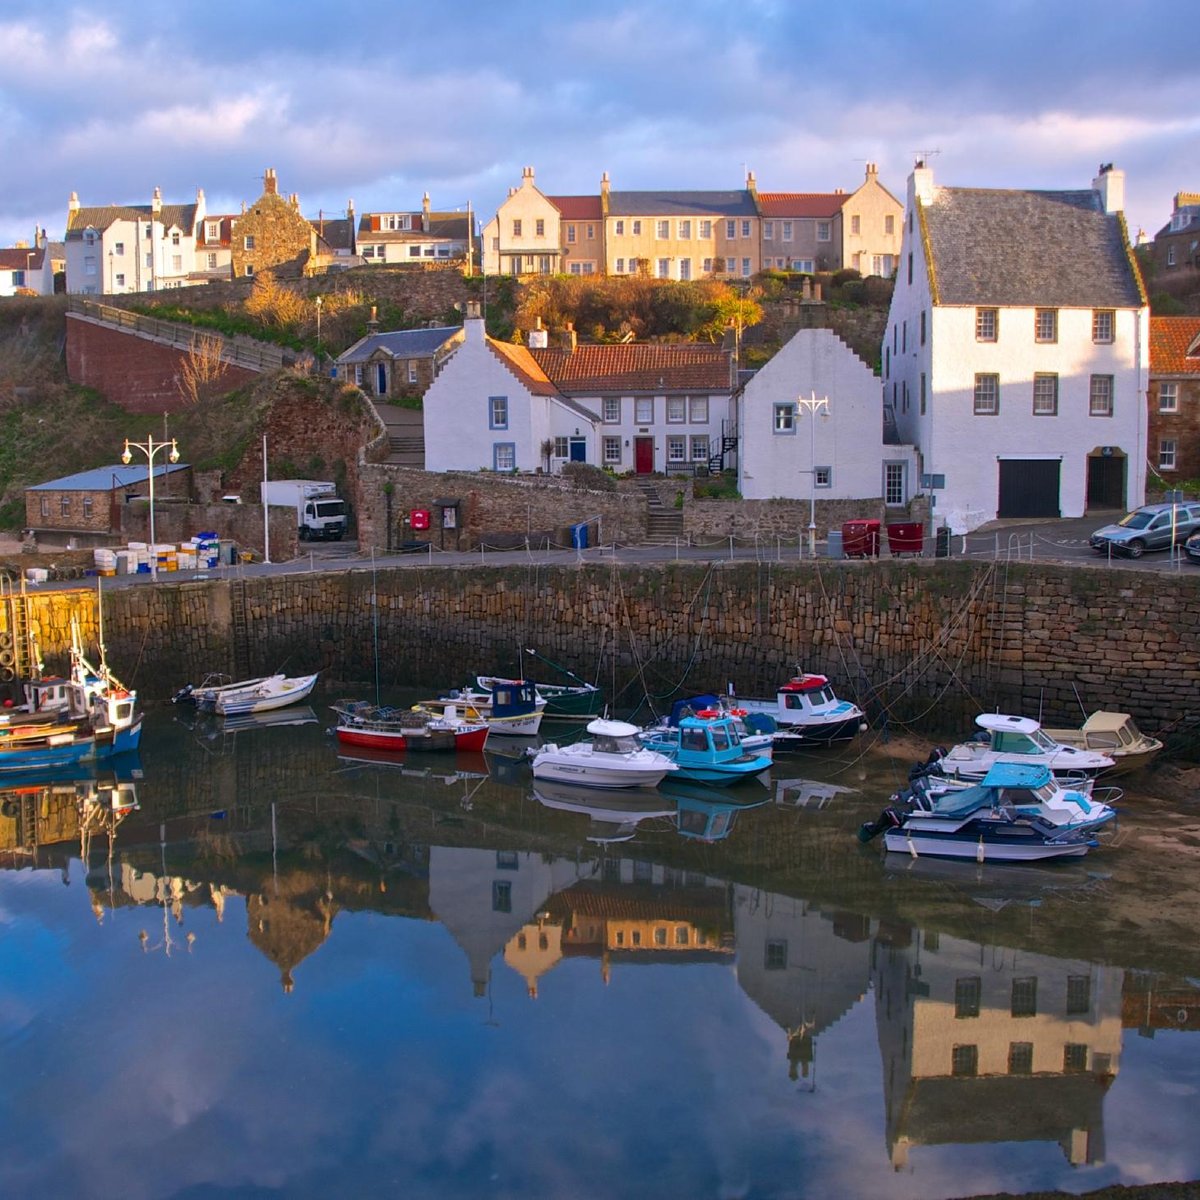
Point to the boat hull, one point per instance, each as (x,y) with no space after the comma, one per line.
(399,741)
(967,845)
(264,698)
(819,733)
(85,747)
(592,775)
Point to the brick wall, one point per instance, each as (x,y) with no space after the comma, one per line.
(135,372)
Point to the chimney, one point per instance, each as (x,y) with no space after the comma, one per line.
(569,340)
(73,203)
(199,196)
(527,177)
(751,183)
(604,185)
(373,323)
(920,182)
(474,329)
(270,184)
(872,171)
(156,202)
(425,208)
(353,227)
(294,200)
(1110,184)
(539,338)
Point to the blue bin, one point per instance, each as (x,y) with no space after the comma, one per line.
(579,537)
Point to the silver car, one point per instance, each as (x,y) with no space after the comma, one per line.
(1151,527)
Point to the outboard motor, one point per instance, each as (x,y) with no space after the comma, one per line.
(184,695)
(929,766)
(891,818)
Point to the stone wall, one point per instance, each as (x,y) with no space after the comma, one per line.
(139,374)
(929,643)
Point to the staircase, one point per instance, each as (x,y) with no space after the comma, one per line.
(663,525)
(406,450)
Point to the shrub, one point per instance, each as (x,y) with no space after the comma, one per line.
(588,478)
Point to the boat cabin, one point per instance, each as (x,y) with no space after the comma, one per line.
(1014,735)
(514,697)
(806,691)
(1018,784)
(614,737)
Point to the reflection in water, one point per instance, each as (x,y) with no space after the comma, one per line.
(736,931)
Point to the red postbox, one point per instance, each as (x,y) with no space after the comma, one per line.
(420,518)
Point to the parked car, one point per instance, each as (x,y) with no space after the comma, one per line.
(1192,547)
(1148,528)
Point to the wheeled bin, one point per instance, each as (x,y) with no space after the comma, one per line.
(906,537)
(860,539)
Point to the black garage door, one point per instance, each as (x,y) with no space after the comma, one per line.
(1029,487)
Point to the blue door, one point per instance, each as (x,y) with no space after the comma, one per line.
(579,450)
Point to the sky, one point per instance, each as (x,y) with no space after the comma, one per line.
(380,101)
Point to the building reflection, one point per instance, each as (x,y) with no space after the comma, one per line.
(993,1044)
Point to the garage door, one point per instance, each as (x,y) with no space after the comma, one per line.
(1029,487)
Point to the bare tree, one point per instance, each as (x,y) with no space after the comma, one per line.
(202,368)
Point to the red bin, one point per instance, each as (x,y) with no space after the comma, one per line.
(419,518)
(906,537)
(860,539)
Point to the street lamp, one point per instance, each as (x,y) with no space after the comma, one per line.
(150,448)
(813,406)
(318,302)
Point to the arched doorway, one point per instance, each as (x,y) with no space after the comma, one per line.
(1106,478)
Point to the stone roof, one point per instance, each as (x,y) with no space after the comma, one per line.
(801,204)
(1028,249)
(637,367)
(1174,345)
(401,343)
(682,204)
(180,216)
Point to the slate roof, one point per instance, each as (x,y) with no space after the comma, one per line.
(801,204)
(1174,345)
(334,233)
(224,231)
(106,479)
(400,343)
(182,216)
(683,204)
(577,208)
(646,367)
(1028,249)
(19,258)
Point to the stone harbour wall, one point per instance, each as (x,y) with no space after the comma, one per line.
(927,643)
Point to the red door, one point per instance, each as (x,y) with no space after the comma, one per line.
(643,455)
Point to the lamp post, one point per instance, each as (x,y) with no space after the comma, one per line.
(813,406)
(318,302)
(150,448)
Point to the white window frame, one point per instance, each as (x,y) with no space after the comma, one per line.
(701,447)
(619,228)
(504,456)
(768,228)
(620,266)
(1168,396)
(685,268)
(497,412)
(1101,401)
(822,477)
(1167,452)
(643,410)
(783,420)
(1047,391)
(730,230)
(248,242)
(895,484)
(731,266)
(677,448)
(746,268)
(745,229)
(685,230)
(986,398)
(662,231)
(787,231)
(570,235)
(706,229)
(698,409)
(708,266)
(1045,326)
(855,225)
(612,450)
(664,268)
(1104,326)
(987,324)
(676,410)
(610,410)
(824,231)
(637,229)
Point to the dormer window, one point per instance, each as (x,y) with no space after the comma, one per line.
(214,231)
(175,238)
(89,236)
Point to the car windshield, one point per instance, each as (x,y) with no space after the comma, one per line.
(1136,520)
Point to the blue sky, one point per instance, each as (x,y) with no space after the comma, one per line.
(381,102)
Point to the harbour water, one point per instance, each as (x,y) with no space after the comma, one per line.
(287,972)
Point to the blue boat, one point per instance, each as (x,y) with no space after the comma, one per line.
(706,749)
(704,815)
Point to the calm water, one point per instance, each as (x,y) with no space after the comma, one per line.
(291,974)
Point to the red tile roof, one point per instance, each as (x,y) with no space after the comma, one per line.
(22,258)
(523,365)
(577,208)
(801,204)
(648,367)
(1171,339)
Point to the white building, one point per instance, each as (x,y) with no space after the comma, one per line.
(793,448)
(524,237)
(25,268)
(1017,350)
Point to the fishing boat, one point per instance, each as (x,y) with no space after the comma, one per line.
(707,749)
(807,712)
(86,716)
(757,730)
(227,698)
(613,815)
(509,708)
(575,699)
(1010,739)
(1115,734)
(970,824)
(377,727)
(613,758)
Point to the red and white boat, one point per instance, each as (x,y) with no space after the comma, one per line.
(404,729)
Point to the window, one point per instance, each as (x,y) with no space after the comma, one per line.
(676,449)
(620,266)
(889,225)
(775,955)
(768,231)
(1020,1058)
(685,268)
(967,993)
(619,228)
(731,229)
(517,228)
(1079,995)
(1024,997)
(1166,454)
(539,227)
(570,235)
(895,491)
(44,505)
(497,412)
(612,449)
(731,265)
(611,412)
(823,477)
(904,337)
(708,266)
(635,937)
(1168,397)
(1103,320)
(787,231)
(910,268)
(822,231)
(1045,325)
(212,262)
(87,506)
(412,370)
(964,1061)
(214,230)
(504,458)
(660,935)
(700,450)
(175,237)
(502,896)
(64,505)
(745,268)
(804,265)
(676,410)
(1075,1055)
(89,264)
(922,327)
(1045,395)
(685,229)
(699,407)
(664,268)
(643,410)
(987,395)
(681,935)
(1170,256)
(923,392)
(248,242)
(987,324)
(119,248)
(176,263)
(706,229)
(562,447)
(662,229)
(745,229)
(785,417)
(856,225)
(637,229)
(1100,396)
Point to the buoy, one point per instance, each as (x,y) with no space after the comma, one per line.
(911,848)
(979,850)
(708,713)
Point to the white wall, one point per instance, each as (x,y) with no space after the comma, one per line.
(527,205)
(850,439)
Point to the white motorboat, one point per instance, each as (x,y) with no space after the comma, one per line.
(613,758)
(228,698)
(807,712)
(1022,741)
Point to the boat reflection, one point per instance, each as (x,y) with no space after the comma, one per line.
(614,814)
(706,814)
